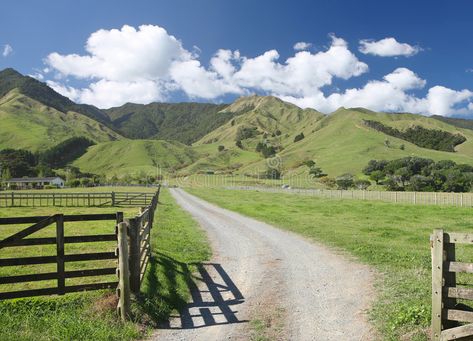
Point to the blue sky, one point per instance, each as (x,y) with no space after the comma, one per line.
(439,32)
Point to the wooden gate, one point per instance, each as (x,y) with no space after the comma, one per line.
(19,240)
(451,320)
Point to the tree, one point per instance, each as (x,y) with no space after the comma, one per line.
(244,133)
(239,144)
(402,147)
(344,181)
(272,173)
(362,184)
(299,137)
(221,148)
(316,172)
(309,163)
(377,176)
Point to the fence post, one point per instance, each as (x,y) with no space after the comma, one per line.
(113,198)
(12,199)
(123,308)
(436,244)
(61,277)
(134,225)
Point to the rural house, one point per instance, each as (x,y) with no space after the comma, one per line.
(29,183)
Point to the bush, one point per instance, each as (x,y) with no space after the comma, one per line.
(328,182)
(221,148)
(344,181)
(73,183)
(299,137)
(272,173)
(239,144)
(244,133)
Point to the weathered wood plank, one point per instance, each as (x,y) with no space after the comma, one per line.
(459,315)
(436,244)
(459,292)
(457,332)
(459,238)
(459,267)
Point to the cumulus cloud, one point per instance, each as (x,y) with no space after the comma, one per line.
(301,46)
(387,47)
(147,64)
(7,50)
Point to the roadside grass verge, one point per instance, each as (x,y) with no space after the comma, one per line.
(393,238)
(177,243)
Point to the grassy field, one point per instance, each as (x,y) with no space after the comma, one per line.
(135,156)
(394,239)
(177,245)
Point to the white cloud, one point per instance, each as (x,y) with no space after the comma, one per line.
(7,50)
(469,70)
(387,47)
(299,46)
(147,64)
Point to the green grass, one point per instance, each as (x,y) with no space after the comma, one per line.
(29,124)
(394,239)
(177,245)
(135,156)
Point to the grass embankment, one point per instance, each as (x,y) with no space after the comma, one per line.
(177,243)
(392,238)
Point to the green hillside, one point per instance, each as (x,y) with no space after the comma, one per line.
(11,79)
(342,143)
(30,124)
(184,122)
(135,156)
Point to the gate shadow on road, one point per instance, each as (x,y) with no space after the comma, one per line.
(215,299)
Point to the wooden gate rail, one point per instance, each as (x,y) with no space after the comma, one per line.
(134,242)
(133,254)
(447,313)
(78,199)
(18,240)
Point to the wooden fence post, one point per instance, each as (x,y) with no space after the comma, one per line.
(123,273)
(12,199)
(61,277)
(436,244)
(113,198)
(134,225)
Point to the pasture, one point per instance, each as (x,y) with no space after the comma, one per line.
(176,242)
(394,239)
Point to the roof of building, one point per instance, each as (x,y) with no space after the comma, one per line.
(34,179)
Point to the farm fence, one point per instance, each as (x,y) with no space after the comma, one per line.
(448,315)
(93,199)
(419,198)
(131,238)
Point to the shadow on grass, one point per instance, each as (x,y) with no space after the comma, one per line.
(168,284)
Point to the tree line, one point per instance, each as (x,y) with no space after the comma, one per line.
(422,137)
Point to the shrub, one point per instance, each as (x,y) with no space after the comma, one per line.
(221,148)
(328,182)
(244,133)
(272,173)
(299,137)
(239,144)
(344,181)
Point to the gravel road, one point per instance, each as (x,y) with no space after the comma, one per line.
(266,280)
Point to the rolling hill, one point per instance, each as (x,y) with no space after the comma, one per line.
(29,124)
(240,138)
(134,156)
(184,122)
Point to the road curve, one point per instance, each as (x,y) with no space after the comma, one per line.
(300,289)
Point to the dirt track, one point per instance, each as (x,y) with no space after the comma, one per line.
(298,289)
